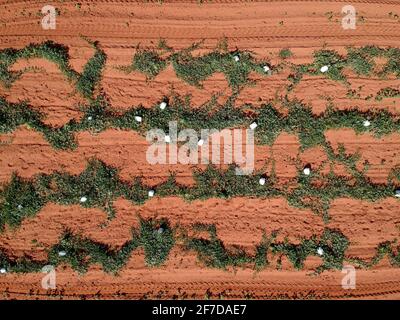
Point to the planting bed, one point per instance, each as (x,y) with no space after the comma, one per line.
(77,191)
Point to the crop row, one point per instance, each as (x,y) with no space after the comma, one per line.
(190,69)
(293,117)
(194,69)
(359,60)
(157,238)
(99,185)
(236,65)
(85,82)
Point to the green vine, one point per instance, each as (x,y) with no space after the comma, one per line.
(195,69)
(158,238)
(299,120)
(359,60)
(235,65)
(99,185)
(85,82)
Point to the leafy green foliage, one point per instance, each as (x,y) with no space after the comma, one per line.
(13,115)
(100,185)
(235,65)
(386,248)
(213,253)
(310,128)
(18,200)
(360,60)
(297,253)
(299,120)
(213,182)
(19,265)
(7,58)
(92,72)
(81,252)
(59,55)
(285,53)
(148,62)
(195,69)
(157,239)
(333,243)
(393,64)
(261,256)
(332,59)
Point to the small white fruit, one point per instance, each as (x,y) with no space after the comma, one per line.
(200,142)
(151,193)
(253,125)
(163,105)
(138,118)
(160,230)
(320,251)
(83,199)
(262,181)
(236,58)
(3,270)
(366,123)
(397,193)
(307,171)
(266,68)
(167,139)
(89,118)
(19,207)
(324,69)
(62,253)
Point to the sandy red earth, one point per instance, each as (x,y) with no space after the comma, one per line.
(262,27)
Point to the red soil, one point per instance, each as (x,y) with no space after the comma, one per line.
(119,26)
